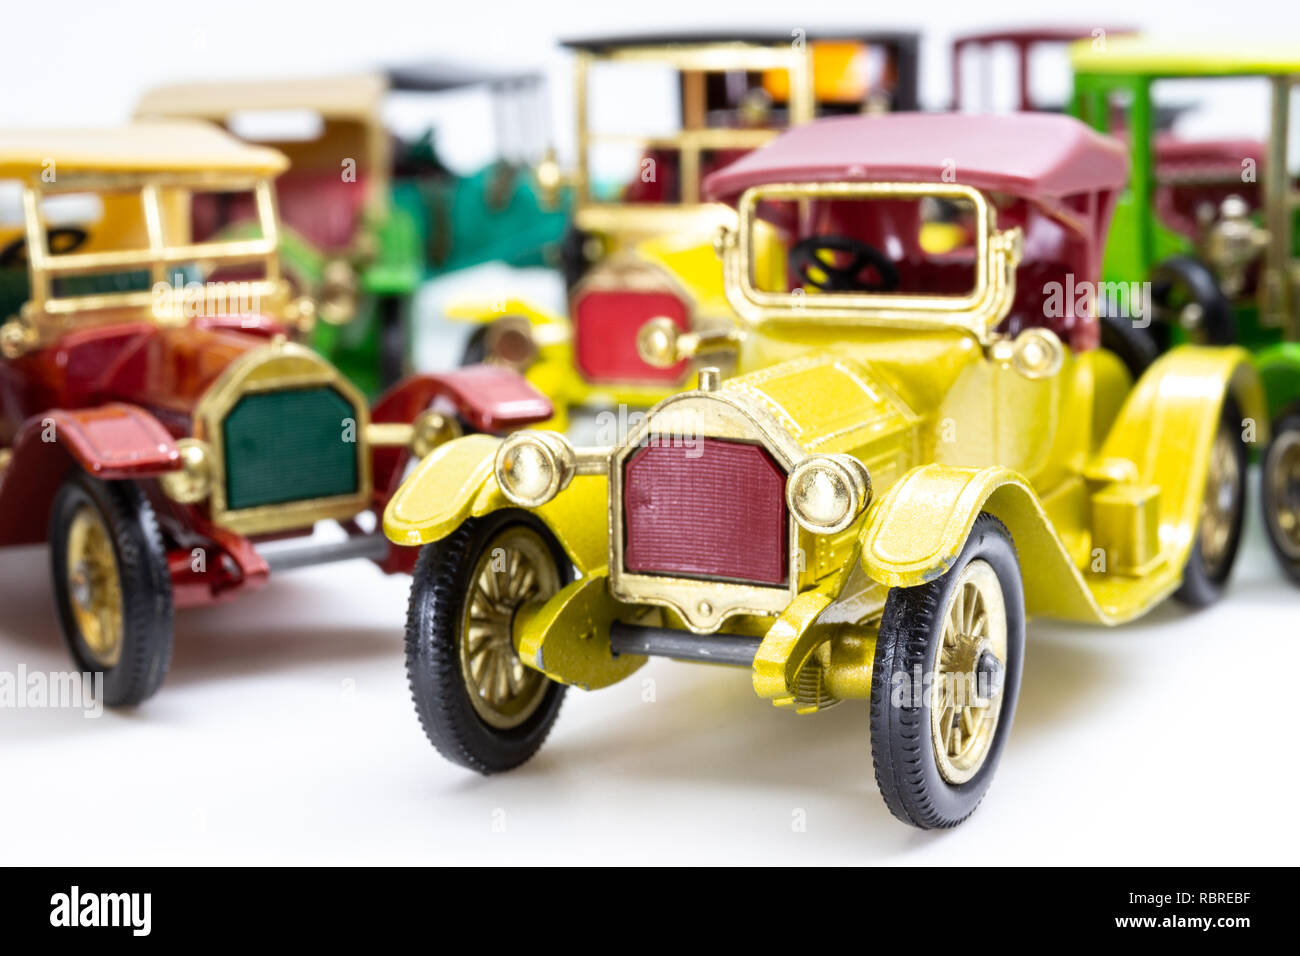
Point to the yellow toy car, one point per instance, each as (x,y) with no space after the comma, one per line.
(641,242)
(923,450)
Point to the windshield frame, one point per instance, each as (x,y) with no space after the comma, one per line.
(997,253)
(160,257)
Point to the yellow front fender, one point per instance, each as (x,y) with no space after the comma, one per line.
(456,482)
(916,531)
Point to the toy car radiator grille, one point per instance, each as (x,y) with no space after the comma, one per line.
(290,445)
(606,323)
(705,508)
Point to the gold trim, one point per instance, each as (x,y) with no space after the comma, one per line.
(971,649)
(46,315)
(997,255)
(705,604)
(95,587)
(278,366)
(693,58)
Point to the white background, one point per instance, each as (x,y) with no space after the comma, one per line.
(285,732)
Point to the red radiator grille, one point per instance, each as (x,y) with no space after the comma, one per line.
(712,510)
(606,323)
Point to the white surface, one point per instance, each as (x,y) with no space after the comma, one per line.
(285,733)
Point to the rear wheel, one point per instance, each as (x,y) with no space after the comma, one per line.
(1186,296)
(112,586)
(1223,514)
(479,704)
(945,680)
(393,339)
(1280,493)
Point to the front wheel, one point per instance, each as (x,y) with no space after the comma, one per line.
(479,704)
(1280,493)
(1223,514)
(945,681)
(111,585)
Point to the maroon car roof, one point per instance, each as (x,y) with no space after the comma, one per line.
(1034,155)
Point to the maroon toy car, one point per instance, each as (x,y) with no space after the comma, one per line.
(159,426)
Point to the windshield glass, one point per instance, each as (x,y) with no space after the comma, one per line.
(883,245)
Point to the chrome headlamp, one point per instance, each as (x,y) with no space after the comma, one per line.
(826,493)
(532,467)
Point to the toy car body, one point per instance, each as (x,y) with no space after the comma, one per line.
(849,510)
(158,427)
(641,241)
(371,216)
(1214,226)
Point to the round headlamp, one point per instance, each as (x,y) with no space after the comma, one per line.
(532,467)
(826,493)
(192,482)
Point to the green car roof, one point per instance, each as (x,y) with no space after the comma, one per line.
(1140,55)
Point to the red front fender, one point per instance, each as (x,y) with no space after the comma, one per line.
(489,398)
(113,441)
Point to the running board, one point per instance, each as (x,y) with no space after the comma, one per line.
(286,557)
(738,649)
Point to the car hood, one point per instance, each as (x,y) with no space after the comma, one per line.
(164,369)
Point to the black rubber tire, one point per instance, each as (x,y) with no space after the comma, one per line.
(907,772)
(1289,425)
(393,339)
(1132,346)
(1218,325)
(476,349)
(573,256)
(146,585)
(1200,588)
(438,689)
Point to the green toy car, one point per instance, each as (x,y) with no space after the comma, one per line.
(1214,227)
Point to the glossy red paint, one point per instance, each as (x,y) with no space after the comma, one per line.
(606,322)
(709,509)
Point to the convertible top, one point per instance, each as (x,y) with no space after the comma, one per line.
(358,94)
(1037,156)
(157,146)
(610,43)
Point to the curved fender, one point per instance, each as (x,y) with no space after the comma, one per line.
(567,638)
(1279,373)
(491,398)
(1167,428)
(111,442)
(455,482)
(916,531)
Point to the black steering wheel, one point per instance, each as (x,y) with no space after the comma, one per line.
(61,240)
(807,255)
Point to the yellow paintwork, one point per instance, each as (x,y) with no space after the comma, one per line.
(948,430)
(1099,480)
(692,263)
(455,482)
(1154,57)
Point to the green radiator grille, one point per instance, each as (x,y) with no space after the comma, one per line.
(289,446)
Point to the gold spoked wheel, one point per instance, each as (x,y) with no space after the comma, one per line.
(1219,509)
(516,567)
(968,674)
(94,587)
(1282,481)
